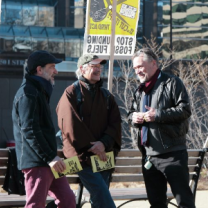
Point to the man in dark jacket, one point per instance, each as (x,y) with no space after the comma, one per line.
(92,127)
(34,135)
(160,110)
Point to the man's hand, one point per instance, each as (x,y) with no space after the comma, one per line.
(149,116)
(138,117)
(57,164)
(98,148)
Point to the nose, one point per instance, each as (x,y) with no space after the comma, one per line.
(137,70)
(98,69)
(55,71)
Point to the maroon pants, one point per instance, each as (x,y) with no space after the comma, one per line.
(40,182)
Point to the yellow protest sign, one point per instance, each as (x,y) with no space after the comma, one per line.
(72,166)
(99,25)
(99,165)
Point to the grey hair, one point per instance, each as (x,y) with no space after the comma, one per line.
(149,55)
(78,71)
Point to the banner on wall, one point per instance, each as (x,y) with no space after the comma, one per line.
(99,26)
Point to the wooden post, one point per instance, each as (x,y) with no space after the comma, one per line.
(112,46)
(0,11)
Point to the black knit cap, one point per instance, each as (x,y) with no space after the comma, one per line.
(40,58)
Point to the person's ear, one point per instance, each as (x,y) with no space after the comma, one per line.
(81,69)
(154,62)
(39,70)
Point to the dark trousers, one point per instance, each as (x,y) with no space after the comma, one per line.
(169,168)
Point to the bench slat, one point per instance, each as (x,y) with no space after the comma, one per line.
(138,169)
(3,161)
(127,194)
(193,152)
(133,169)
(2,180)
(137,161)
(129,153)
(128,161)
(4,152)
(192,161)
(15,200)
(3,171)
(127,177)
(73,178)
(132,193)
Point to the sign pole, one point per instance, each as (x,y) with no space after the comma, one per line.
(112,46)
(110,31)
(0,11)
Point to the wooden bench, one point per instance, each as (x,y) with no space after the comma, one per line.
(128,169)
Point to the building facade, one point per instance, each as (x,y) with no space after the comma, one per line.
(58,27)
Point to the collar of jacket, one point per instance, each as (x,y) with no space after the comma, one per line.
(165,78)
(34,82)
(91,86)
(147,86)
(37,85)
(47,86)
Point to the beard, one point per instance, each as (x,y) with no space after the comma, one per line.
(142,79)
(52,81)
(48,77)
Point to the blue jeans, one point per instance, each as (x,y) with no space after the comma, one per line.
(98,186)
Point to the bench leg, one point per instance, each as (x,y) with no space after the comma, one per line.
(172,204)
(79,196)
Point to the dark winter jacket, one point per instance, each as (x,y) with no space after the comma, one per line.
(172,112)
(97,122)
(33,129)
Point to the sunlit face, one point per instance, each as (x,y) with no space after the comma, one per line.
(92,72)
(48,73)
(144,69)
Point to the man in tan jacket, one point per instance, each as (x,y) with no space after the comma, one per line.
(91,126)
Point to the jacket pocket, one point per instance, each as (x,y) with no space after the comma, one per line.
(175,130)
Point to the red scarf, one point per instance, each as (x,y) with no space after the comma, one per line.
(147,86)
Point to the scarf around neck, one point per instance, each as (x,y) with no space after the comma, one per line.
(89,85)
(48,87)
(147,86)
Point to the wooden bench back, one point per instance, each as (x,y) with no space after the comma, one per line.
(128,165)
(3,164)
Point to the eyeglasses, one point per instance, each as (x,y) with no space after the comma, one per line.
(95,66)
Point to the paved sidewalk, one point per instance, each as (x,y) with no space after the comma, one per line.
(201,202)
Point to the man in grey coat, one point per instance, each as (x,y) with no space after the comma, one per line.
(160,111)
